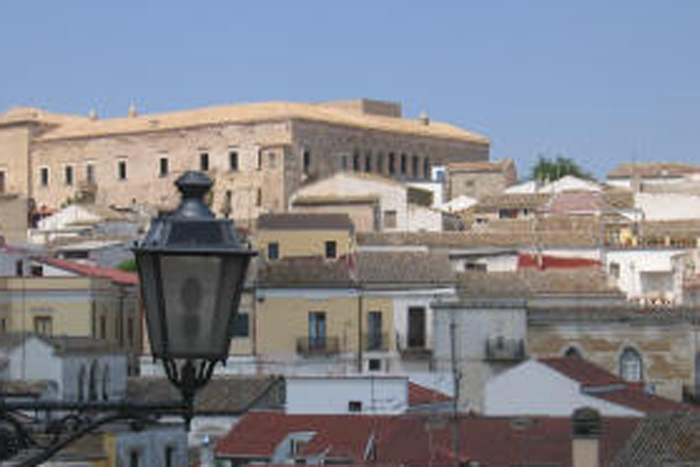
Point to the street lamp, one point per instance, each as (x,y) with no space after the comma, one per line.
(191,268)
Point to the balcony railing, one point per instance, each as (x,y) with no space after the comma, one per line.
(323,345)
(501,349)
(378,342)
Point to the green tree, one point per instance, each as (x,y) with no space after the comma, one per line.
(554,169)
(128,265)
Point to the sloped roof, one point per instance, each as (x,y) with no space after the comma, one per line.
(530,283)
(495,441)
(581,238)
(581,371)
(663,440)
(421,395)
(370,269)
(258,112)
(339,436)
(305,221)
(223,395)
(482,166)
(653,170)
(526,261)
(492,203)
(115,275)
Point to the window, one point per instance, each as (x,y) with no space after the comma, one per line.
(44,176)
(380,163)
(389,219)
(404,164)
(90,172)
(355,406)
(19,268)
(204,161)
(121,169)
(3,325)
(233,161)
(392,163)
(271,159)
(572,352)
(105,383)
(169,456)
(426,168)
(130,330)
(258,197)
(317,330)
(374,330)
(416,327)
(259,163)
(81,384)
(344,162)
(273,250)
(43,325)
(368,162)
(164,169)
(356,162)
(92,382)
(631,367)
(415,164)
(3,181)
(68,175)
(615,270)
(331,249)
(36,270)
(103,327)
(307,161)
(240,325)
(375,364)
(134,459)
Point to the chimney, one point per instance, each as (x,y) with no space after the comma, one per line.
(133,112)
(586,429)
(424,118)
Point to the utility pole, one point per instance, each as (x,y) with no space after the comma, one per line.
(456,378)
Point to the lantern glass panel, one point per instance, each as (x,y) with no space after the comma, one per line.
(199,294)
(151,303)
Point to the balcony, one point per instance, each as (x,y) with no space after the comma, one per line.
(312,346)
(416,353)
(501,349)
(375,342)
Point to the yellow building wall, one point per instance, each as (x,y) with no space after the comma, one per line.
(281,321)
(75,306)
(296,243)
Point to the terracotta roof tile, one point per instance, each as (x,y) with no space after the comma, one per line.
(304,221)
(653,170)
(115,275)
(421,395)
(582,371)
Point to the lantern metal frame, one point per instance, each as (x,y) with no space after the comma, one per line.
(23,431)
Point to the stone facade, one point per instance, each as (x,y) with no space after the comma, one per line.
(667,346)
(258,154)
(480,179)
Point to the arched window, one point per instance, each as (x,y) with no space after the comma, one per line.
(81,383)
(631,366)
(92,386)
(573,352)
(105,383)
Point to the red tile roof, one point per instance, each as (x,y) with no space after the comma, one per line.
(582,371)
(495,441)
(420,395)
(421,440)
(115,275)
(526,261)
(594,380)
(338,436)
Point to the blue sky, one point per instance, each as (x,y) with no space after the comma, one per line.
(600,81)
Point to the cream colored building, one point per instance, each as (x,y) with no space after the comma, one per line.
(480,179)
(374,203)
(258,154)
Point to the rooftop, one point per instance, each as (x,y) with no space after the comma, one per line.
(482,166)
(115,275)
(371,269)
(304,221)
(653,170)
(77,127)
(530,283)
